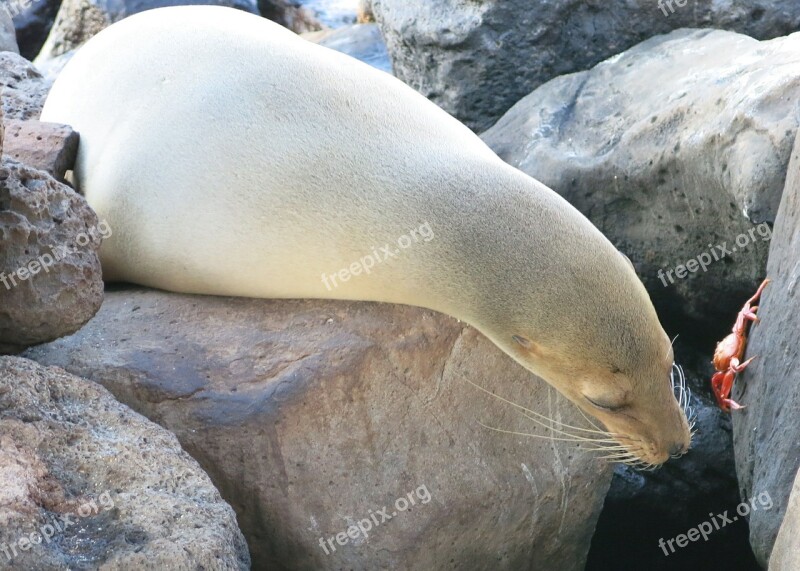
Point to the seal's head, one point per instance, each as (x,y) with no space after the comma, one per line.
(634,400)
(599,342)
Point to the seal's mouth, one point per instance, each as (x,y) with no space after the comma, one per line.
(643,453)
(621,438)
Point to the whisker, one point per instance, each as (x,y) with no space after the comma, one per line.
(528,434)
(589,420)
(533,412)
(611,446)
(564,432)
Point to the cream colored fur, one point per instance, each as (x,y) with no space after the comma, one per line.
(231,157)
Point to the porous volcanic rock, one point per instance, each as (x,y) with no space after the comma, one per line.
(90,484)
(50,277)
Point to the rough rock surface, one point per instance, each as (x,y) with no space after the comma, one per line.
(50,277)
(476,59)
(767,433)
(50,147)
(23,87)
(786,553)
(311,415)
(120,488)
(79,20)
(361,41)
(8,37)
(33,20)
(675,149)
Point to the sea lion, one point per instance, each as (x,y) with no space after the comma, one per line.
(231,157)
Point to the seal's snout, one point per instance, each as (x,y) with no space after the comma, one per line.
(678,449)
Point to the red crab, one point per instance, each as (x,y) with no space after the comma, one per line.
(730,351)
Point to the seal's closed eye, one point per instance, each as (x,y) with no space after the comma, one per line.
(612,406)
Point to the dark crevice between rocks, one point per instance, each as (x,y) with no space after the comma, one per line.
(628,533)
(643,507)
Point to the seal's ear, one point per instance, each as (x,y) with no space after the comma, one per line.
(526,343)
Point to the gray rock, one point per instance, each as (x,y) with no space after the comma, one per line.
(8,37)
(767,433)
(476,59)
(79,20)
(23,87)
(361,41)
(50,277)
(786,553)
(90,484)
(674,149)
(311,415)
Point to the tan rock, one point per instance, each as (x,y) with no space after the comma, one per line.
(90,484)
(50,276)
(49,147)
(312,415)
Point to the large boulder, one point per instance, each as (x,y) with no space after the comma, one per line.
(312,416)
(767,433)
(90,484)
(677,150)
(786,553)
(476,59)
(79,20)
(23,88)
(50,277)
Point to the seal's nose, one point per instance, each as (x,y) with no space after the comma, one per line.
(677,449)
